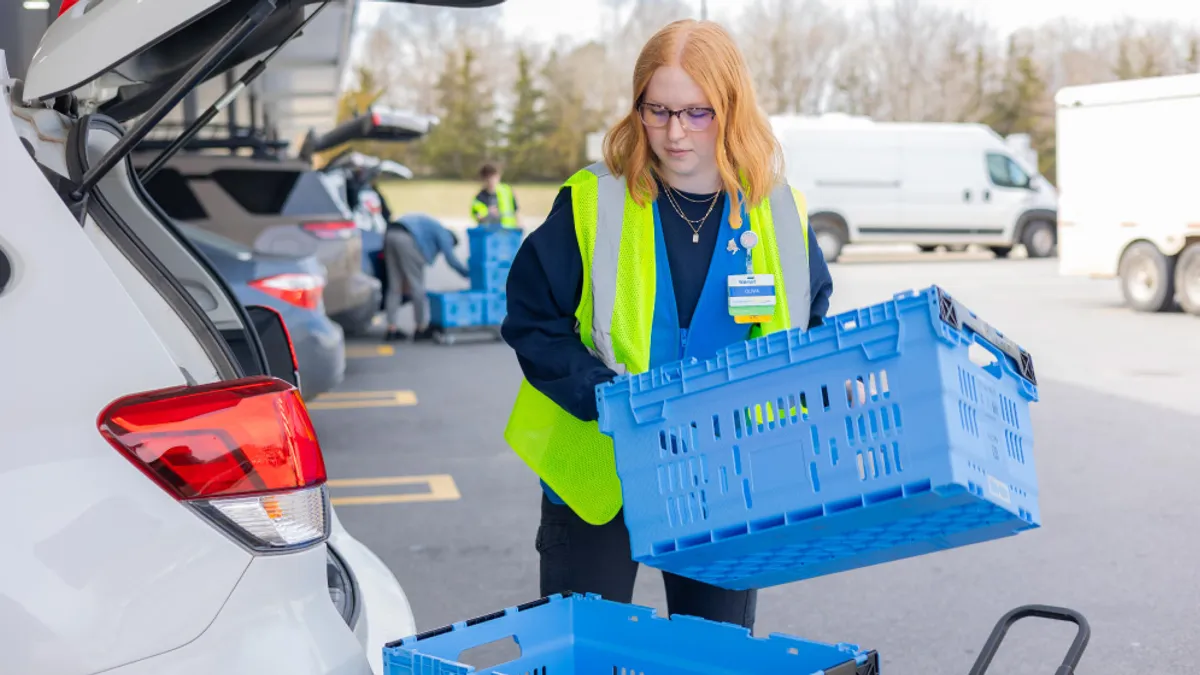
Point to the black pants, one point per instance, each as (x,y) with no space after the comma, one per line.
(582,558)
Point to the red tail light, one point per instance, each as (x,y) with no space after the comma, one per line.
(301,290)
(330,229)
(243,453)
(66,5)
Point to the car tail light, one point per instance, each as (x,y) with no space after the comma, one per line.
(330,229)
(301,290)
(242,453)
(66,5)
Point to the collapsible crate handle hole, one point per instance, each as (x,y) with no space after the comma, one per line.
(488,655)
(1074,653)
(984,355)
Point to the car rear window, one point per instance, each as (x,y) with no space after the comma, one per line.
(170,190)
(214,240)
(261,192)
(274,192)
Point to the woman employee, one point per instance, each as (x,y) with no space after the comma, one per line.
(635,267)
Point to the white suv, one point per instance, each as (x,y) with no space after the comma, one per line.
(161,485)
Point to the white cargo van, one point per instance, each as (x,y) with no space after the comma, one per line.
(916,183)
(1126,165)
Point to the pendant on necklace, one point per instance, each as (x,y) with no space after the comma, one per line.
(695,237)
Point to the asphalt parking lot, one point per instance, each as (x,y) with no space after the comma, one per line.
(414,442)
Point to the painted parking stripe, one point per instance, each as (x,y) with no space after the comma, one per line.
(439,488)
(369,351)
(343,400)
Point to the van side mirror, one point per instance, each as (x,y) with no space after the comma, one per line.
(276,342)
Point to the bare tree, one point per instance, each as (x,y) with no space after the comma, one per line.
(791,47)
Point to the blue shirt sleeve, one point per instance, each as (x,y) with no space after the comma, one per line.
(544,286)
(446,244)
(820,281)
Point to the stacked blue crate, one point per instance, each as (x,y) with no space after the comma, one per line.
(492,250)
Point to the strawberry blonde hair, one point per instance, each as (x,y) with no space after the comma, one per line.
(747,150)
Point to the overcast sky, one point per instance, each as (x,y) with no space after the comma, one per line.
(546,19)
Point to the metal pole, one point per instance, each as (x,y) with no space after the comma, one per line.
(704,10)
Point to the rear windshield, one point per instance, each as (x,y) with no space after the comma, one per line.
(261,192)
(313,196)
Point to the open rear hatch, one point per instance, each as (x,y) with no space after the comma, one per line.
(129,59)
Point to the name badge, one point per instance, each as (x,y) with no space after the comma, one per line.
(752,297)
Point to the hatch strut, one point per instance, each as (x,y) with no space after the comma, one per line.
(199,72)
(194,128)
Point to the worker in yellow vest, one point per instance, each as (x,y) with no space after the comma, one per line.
(495,204)
(632,269)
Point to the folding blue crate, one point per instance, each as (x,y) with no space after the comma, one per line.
(489,277)
(460,309)
(586,635)
(495,309)
(493,244)
(892,431)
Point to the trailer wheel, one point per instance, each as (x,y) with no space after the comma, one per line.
(1001,251)
(1040,239)
(1147,278)
(831,235)
(1187,278)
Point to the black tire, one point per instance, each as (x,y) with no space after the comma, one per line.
(1040,239)
(927,249)
(1187,279)
(831,236)
(1147,278)
(1001,251)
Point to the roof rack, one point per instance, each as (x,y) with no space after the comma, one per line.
(213,137)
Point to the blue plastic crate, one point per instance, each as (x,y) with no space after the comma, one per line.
(491,244)
(586,635)
(461,309)
(873,438)
(489,277)
(495,309)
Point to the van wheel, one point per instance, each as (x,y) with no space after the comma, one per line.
(1001,251)
(927,249)
(831,236)
(1187,279)
(1147,278)
(1040,239)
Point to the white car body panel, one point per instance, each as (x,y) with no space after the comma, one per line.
(81,45)
(279,621)
(102,567)
(386,615)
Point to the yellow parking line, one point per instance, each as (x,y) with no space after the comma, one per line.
(342,400)
(441,489)
(369,351)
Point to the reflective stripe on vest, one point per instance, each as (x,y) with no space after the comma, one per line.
(617,248)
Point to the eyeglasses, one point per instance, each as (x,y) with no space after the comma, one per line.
(692,119)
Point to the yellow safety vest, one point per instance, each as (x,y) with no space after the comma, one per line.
(615,315)
(505,204)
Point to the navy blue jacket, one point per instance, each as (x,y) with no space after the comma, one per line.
(546,281)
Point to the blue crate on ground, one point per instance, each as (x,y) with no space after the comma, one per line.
(490,244)
(460,309)
(489,277)
(876,437)
(495,309)
(586,635)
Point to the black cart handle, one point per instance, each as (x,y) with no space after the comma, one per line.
(1074,654)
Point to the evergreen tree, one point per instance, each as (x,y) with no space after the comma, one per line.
(525,151)
(464,137)
(1018,105)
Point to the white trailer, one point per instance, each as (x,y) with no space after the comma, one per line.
(927,184)
(1130,192)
